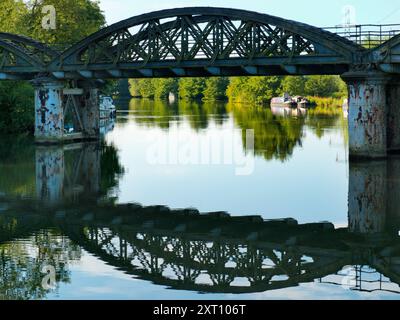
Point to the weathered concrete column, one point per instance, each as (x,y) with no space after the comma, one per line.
(89,110)
(49,113)
(367,114)
(393,103)
(367,196)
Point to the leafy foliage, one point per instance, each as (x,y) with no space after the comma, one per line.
(76,19)
(192,88)
(16,107)
(215,88)
(254,90)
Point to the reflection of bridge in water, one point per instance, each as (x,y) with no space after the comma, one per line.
(214,252)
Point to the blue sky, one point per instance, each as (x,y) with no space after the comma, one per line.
(316,12)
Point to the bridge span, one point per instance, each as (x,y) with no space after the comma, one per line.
(207,42)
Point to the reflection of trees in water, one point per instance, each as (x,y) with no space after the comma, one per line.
(161,114)
(17,165)
(321,119)
(77,170)
(21,264)
(111,168)
(275,136)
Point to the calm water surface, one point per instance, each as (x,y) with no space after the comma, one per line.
(175,203)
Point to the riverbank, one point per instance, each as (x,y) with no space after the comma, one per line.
(250,90)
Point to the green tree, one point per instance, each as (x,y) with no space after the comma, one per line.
(75,20)
(163,87)
(16,107)
(215,88)
(11,16)
(134,87)
(192,88)
(254,90)
(294,85)
(322,86)
(146,88)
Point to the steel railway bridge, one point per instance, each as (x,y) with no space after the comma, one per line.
(206,42)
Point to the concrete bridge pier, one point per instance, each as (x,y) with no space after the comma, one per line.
(66,114)
(49,111)
(89,111)
(393,125)
(367,114)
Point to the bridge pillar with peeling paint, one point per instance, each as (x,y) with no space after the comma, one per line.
(49,113)
(367,114)
(89,111)
(368,196)
(393,128)
(52,104)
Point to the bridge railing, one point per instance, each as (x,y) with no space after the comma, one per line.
(367,35)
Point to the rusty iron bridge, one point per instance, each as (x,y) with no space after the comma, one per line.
(206,42)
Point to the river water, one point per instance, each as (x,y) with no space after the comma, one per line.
(199,201)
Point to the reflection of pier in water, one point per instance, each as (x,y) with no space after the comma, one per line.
(67,172)
(214,252)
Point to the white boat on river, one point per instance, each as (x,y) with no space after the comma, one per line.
(107,108)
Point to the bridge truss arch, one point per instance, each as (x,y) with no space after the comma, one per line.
(22,56)
(204,41)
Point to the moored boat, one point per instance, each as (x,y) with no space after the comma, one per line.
(290,102)
(107,108)
(302,102)
(285,101)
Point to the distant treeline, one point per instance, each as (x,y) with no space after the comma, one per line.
(255,90)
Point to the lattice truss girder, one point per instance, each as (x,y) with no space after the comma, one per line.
(184,38)
(19,51)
